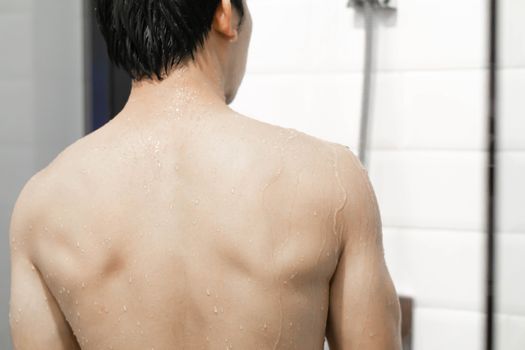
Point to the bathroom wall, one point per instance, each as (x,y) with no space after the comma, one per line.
(427,160)
(511,172)
(41,103)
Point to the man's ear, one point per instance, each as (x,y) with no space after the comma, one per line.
(224,21)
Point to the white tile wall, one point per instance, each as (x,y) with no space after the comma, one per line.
(438,329)
(429,110)
(441,267)
(511,204)
(510,273)
(512,108)
(510,332)
(430,189)
(435,34)
(510,283)
(511,33)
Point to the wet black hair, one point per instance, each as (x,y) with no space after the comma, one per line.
(149,37)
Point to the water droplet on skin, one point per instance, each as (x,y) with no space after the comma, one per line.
(241,327)
(33,267)
(215,309)
(233,190)
(208,293)
(196,202)
(78,244)
(265,326)
(83,285)
(125,308)
(130,280)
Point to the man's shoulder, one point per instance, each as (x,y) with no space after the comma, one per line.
(325,164)
(291,136)
(50,185)
(28,208)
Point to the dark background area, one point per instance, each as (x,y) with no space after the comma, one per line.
(109,86)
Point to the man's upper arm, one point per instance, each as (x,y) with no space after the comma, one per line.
(37,322)
(364,308)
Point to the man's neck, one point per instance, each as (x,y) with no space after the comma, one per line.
(186,91)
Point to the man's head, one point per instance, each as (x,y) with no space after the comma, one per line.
(149,38)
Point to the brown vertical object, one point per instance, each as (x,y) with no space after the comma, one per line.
(407,305)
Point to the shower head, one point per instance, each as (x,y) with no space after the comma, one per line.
(383,4)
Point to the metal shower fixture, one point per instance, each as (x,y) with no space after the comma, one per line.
(382,4)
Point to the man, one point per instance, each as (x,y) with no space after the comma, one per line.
(184,225)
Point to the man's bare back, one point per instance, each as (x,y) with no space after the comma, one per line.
(205,233)
(183,225)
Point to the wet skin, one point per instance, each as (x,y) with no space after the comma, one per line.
(184,225)
(200,230)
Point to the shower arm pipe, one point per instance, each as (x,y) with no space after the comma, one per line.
(368,7)
(366,96)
